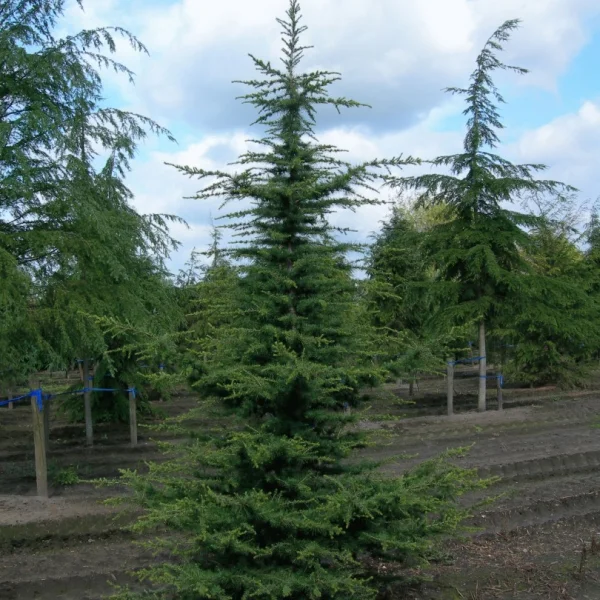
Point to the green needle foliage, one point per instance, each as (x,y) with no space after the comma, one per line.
(208,308)
(51,116)
(402,293)
(479,251)
(276,509)
(296,288)
(555,328)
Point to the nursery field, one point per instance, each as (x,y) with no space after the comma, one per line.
(545,447)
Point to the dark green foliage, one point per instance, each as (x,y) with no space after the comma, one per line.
(71,246)
(19,341)
(295,288)
(479,249)
(274,507)
(50,119)
(551,326)
(117,372)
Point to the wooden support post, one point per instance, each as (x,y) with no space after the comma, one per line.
(39,439)
(481,399)
(87,403)
(133,417)
(46,414)
(450,382)
(499,389)
(10,397)
(36,384)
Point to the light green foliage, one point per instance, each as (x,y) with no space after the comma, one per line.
(256,515)
(205,291)
(63,476)
(275,506)
(403,295)
(554,323)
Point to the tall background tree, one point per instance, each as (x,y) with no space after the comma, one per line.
(479,251)
(70,242)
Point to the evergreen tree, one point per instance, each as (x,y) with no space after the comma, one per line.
(51,116)
(399,289)
(479,251)
(592,237)
(19,340)
(397,258)
(69,239)
(554,325)
(113,264)
(272,510)
(207,306)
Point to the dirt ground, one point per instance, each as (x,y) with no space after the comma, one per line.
(545,447)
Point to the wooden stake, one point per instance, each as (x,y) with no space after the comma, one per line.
(499,389)
(87,403)
(39,440)
(583,559)
(450,382)
(133,417)
(481,401)
(46,415)
(10,397)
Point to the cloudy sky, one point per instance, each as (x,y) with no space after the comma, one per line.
(395,55)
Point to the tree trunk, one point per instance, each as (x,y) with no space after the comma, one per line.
(482,368)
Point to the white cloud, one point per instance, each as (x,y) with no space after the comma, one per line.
(570,145)
(393,54)
(552,33)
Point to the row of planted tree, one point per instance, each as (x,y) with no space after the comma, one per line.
(277,331)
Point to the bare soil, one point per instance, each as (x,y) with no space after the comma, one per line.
(544,446)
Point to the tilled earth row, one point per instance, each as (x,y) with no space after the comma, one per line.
(528,544)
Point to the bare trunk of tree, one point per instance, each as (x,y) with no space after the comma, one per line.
(482,368)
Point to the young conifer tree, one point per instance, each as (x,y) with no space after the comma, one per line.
(480,249)
(402,300)
(271,510)
(557,331)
